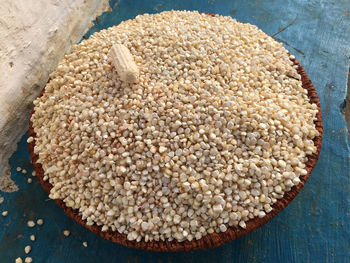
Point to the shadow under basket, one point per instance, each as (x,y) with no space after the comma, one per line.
(210,240)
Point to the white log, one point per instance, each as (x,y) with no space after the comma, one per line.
(34,36)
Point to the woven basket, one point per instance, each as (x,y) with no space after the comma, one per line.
(210,240)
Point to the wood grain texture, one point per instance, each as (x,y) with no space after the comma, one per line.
(315,227)
(211,240)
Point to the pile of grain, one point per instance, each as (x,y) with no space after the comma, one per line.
(216,130)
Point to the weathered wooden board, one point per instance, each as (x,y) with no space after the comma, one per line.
(315,227)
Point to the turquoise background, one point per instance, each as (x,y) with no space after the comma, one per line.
(313,228)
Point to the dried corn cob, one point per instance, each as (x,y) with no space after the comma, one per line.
(124,63)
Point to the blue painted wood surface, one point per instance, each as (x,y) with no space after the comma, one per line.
(315,227)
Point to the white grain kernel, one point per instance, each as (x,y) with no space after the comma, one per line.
(30,223)
(27,249)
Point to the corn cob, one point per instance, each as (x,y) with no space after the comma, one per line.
(124,63)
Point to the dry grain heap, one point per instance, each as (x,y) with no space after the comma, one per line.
(216,130)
